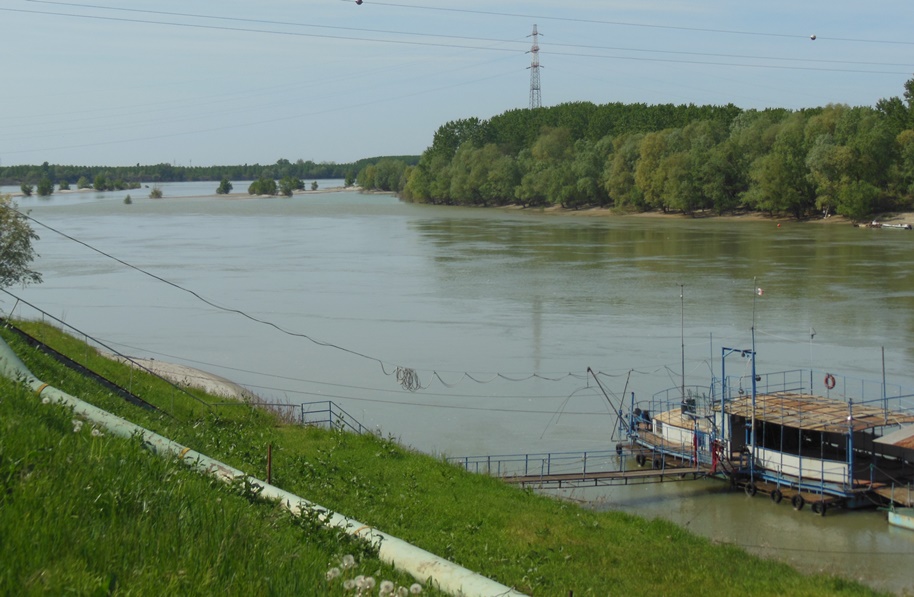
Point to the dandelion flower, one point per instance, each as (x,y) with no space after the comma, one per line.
(402,592)
(348,561)
(415,589)
(387,588)
(369,583)
(77,425)
(96,432)
(349,584)
(333,573)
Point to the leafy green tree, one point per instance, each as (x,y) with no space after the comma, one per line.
(899,114)
(905,166)
(857,200)
(26,189)
(781,181)
(350,179)
(64,184)
(263,186)
(620,172)
(45,187)
(648,175)
(313,185)
(155,193)
(16,237)
(225,186)
(288,185)
(83,183)
(100,183)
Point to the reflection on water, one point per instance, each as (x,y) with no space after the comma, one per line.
(477,302)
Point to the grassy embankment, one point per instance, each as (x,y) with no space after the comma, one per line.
(84,512)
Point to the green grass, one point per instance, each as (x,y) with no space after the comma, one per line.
(82,512)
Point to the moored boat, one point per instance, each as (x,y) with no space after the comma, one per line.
(809,437)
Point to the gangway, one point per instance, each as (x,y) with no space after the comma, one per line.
(580,469)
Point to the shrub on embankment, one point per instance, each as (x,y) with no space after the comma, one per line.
(84,511)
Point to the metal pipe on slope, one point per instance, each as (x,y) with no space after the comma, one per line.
(417,562)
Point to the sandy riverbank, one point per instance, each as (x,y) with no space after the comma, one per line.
(604,212)
(190,377)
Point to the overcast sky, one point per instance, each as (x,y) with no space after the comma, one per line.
(202,82)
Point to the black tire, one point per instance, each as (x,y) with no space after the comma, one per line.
(640,459)
(751,489)
(819,508)
(777,496)
(797,502)
(619,449)
(658,463)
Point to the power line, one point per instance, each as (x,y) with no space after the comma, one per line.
(456,37)
(640,25)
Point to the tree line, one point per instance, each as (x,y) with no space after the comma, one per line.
(125,177)
(853,161)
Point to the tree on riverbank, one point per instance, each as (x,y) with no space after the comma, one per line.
(16,237)
(853,161)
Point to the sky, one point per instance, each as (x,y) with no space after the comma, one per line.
(205,82)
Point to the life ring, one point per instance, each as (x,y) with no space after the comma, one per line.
(829,381)
(777,496)
(640,459)
(797,502)
(751,489)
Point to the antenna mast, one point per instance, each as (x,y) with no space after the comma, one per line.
(536,100)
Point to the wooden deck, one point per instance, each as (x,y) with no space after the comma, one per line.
(599,478)
(903,496)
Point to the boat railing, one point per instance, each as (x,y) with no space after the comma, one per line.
(889,397)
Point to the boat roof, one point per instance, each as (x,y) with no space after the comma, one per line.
(903,438)
(815,413)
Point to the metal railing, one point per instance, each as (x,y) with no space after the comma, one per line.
(548,463)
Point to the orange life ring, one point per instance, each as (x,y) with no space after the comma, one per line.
(829,381)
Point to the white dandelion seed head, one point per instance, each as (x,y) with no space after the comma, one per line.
(387,588)
(77,425)
(360,581)
(96,433)
(349,584)
(333,573)
(348,561)
(402,592)
(369,582)
(415,589)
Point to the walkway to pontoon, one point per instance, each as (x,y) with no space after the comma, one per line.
(579,469)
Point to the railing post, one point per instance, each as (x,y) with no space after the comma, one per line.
(585,463)
(549,463)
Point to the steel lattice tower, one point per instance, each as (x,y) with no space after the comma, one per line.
(536,99)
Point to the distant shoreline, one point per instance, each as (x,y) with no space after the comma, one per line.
(587,212)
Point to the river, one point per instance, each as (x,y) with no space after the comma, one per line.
(498,313)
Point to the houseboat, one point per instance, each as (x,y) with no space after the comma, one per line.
(811,438)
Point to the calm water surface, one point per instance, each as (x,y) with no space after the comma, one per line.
(499,313)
